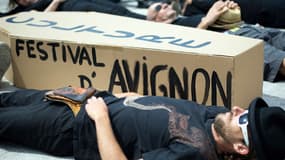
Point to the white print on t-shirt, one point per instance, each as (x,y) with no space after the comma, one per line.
(130,101)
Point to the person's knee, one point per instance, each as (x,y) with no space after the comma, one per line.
(5,54)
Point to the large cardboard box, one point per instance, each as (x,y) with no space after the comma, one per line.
(120,54)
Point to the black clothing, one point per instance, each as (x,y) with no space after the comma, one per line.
(41,5)
(265,12)
(191,21)
(103,6)
(148,127)
(26,118)
(198,7)
(269,13)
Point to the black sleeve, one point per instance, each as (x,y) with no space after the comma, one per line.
(189,21)
(191,10)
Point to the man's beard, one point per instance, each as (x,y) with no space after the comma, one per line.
(220,127)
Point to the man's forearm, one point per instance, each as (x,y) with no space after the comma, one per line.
(108,146)
(53,6)
(203,24)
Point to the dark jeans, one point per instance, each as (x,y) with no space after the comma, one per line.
(27,119)
(274,47)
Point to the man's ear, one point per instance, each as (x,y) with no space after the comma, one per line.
(241,148)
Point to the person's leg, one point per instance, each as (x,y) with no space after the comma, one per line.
(273,63)
(104,6)
(277,40)
(27,118)
(273,55)
(4,58)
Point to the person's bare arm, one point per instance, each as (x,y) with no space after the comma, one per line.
(53,5)
(187,2)
(108,146)
(213,14)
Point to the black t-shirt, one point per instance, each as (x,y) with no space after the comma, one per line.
(152,128)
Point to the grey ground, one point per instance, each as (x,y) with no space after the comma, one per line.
(273,93)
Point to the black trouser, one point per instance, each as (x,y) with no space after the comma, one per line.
(103,6)
(27,119)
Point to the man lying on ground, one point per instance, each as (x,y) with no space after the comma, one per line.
(129,126)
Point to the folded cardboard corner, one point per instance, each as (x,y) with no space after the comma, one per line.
(120,54)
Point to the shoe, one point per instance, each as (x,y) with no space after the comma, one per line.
(5,59)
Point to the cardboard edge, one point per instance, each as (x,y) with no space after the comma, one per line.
(5,36)
(253,57)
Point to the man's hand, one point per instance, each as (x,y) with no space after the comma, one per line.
(215,12)
(232,4)
(96,108)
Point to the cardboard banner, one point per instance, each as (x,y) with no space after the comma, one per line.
(120,54)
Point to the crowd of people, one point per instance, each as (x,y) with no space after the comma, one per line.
(131,126)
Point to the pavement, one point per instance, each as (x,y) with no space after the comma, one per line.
(273,94)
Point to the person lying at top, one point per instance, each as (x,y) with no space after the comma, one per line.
(274,49)
(274,55)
